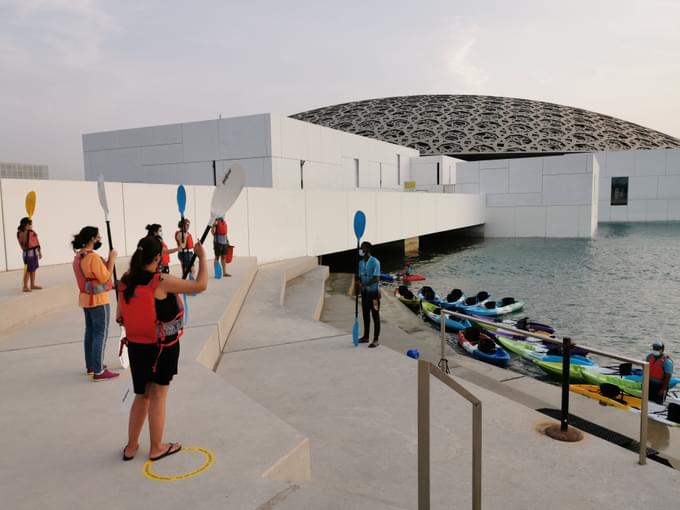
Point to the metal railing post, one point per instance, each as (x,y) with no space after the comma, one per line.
(442,332)
(423,435)
(644,401)
(477,456)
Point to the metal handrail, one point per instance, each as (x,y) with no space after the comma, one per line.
(425,368)
(644,400)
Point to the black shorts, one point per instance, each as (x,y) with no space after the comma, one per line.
(142,358)
(220,249)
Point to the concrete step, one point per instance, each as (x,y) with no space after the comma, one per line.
(305,293)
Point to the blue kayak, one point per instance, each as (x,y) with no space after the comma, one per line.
(490,308)
(433,313)
(483,348)
(453,299)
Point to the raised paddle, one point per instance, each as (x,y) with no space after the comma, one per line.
(30,209)
(181,205)
(101,191)
(224,196)
(359,227)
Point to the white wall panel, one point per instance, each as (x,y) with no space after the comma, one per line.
(244,137)
(286,173)
(409,219)
(586,223)
(167,134)
(494,163)
(366,201)
(135,137)
(673,162)
(605,191)
(369,174)
(657,210)
(674,210)
(530,221)
(620,164)
(427,211)
(199,173)
(424,173)
(618,213)
(604,211)
(567,164)
(525,175)
(146,204)
(637,210)
(389,214)
(493,181)
(467,188)
(200,141)
(562,221)
(567,189)
(100,141)
(669,186)
(514,200)
(642,187)
(500,222)
(158,154)
(326,221)
(467,173)
(650,162)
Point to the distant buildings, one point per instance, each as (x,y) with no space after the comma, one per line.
(23,171)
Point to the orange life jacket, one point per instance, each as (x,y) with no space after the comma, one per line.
(656,366)
(90,286)
(221,232)
(189,239)
(33,242)
(165,256)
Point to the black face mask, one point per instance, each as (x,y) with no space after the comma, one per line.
(97,245)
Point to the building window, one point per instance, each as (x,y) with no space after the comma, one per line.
(619,191)
(356,172)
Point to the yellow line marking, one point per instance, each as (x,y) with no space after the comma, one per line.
(209,461)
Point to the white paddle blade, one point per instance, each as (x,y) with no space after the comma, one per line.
(227,191)
(101,190)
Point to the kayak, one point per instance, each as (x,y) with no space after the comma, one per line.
(412,277)
(453,299)
(391,278)
(427,293)
(539,352)
(524,324)
(494,308)
(433,313)
(483,347)
(406,296)
(657,412)
(555,369)
(630,384)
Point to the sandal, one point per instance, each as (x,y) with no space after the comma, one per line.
(168,452)
(127,457)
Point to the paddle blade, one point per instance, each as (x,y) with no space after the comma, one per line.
(181,199)
(218,270)
(227,191)
(101,191)
(30,203)
(355,332)
(359,224)
(186,310)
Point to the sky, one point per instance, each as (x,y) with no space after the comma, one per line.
(69,67)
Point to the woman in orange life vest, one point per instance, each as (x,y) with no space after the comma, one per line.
(93,275)
(221,243)
(150,310)
(185,245)
(156,230)
(31,253)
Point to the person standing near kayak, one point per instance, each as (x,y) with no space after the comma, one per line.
(221,243)
(155,230)
(150,309)
(31,252)
(368,284)
(185,245)
(93,276)
(660,372)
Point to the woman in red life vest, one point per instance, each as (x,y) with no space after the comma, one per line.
(151,311)
(93,276)
(221,243)
(185,245)
(155,230)
(31,253)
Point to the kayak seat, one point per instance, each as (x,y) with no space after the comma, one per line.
(405,292)
(490,305)
(674,412)
(612,391)
(470,301)
(454,295)
(471,334)
(487,345)
(428,293)
(523,324)
(507,301)
(625,368)
(482,295)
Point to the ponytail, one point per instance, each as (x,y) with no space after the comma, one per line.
(147,249)
(152,229)
(83,237)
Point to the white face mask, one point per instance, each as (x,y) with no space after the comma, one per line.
(656,353)
(362,253)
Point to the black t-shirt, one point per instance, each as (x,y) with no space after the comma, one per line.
(166,309)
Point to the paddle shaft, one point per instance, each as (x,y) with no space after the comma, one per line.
(356,291)
(185,273)
(115,275)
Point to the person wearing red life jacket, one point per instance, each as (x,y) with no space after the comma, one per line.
(156,230)
(31,252)
(185,245)
(93,276)
(221,243)
(151,311)
(660,372)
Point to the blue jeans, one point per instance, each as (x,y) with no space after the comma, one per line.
(96,333)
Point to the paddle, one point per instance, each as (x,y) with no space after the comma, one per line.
(30,209)
(101,191)
(218,267)
(223,198)
(359,227)
(181,205)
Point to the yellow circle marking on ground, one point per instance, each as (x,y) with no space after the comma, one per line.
(209,460)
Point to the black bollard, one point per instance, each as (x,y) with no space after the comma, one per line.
(566,369)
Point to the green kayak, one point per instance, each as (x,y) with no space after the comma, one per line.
(555,369)
(633,388)
(522,349)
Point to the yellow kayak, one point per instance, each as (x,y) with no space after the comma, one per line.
(623,401)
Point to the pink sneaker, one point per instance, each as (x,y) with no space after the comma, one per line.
(105,376)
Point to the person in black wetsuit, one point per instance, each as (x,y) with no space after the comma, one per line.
(151,311)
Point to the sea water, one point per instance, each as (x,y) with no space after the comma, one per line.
(619,291)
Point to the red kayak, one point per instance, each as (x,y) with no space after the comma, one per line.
(413,278)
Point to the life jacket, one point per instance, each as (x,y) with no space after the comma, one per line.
(33,243)
(90,286)
(141,323)
(189,240)
(165,256)
(656,366)
(221,232)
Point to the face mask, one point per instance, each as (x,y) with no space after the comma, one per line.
(361,253)
(160,233)
(97,245)
(656,353)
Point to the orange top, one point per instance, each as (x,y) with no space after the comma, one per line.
(93,267)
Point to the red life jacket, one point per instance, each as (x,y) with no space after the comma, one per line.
(33,242)
(221,228)
(189,240)
(90,286)
(165,256)
(656,366)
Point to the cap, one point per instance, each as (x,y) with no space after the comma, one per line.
(658,344)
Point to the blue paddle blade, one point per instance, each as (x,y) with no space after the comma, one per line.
(359,224)
(355,332)
(181,199)
(186,310)
(218,270)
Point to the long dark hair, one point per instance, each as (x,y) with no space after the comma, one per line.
(83,237)
(152,229)
(147,249)
(23,223)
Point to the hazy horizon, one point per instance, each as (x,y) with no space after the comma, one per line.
(77,66)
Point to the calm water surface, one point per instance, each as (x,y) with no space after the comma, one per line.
(619,291)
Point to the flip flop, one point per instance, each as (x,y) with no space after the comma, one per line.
(167,453)
(125,457)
